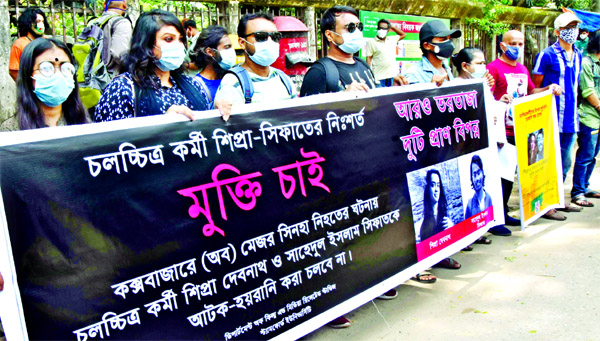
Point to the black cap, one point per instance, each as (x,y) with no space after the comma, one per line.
(436,28)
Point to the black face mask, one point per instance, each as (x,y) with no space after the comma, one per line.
(443,50)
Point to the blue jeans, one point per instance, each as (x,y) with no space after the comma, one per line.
(585,160)
(567,141)
(386,83)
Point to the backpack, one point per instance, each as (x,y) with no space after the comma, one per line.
(246,82)
(92,75)
(332,75)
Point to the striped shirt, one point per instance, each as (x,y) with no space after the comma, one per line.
(553,64)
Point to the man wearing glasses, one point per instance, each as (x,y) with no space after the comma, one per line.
(342,30)
(259,39)
(561,64)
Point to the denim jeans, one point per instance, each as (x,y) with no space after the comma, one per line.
(585,160)
(567,141)
(386,83)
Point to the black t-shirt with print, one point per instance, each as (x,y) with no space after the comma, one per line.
(315,82)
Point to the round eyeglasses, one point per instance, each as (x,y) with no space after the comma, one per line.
(48,69)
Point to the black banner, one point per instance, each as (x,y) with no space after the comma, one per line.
(213,230)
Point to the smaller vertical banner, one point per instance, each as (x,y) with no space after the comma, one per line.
(538,152)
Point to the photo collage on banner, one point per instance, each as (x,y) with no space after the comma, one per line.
(451,200)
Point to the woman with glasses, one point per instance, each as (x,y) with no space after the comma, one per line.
(153,80)
(47,94)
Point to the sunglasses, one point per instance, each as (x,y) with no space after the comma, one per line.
(351,27)
(47,69)
(263,36)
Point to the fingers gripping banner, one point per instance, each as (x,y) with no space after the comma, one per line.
(263,227)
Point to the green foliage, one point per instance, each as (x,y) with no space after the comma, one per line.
(489,23)
(584,5)
(71,24)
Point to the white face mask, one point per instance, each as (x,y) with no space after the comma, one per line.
(265,52)
(382,33)
(480,70)
(228,58)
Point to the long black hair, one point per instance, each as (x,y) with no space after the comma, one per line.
(28,19)
(29,108)
(139,62)
(465,55)
(442,207)
(209,37)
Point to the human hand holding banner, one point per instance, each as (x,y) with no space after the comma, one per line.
(263,227)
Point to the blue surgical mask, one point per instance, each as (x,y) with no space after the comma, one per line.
(512,52)
(228,58)
(53,91)
(353,42)
(172,57)
(265,52)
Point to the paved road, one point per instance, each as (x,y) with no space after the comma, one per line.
(538,284)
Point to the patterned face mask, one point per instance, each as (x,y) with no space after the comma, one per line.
(569,35)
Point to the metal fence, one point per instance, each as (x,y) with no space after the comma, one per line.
(60,15)
(535,41)
(474,37)
(68,18)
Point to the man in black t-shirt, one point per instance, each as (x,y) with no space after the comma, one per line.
(342,29)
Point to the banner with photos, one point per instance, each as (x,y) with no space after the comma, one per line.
(538,153)
(266,226)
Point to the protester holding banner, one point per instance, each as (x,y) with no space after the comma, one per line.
(437,47)
(470,64)
(153,80)
(213,54)
(47,94)
(339,70)
(255,80)
(561,64)
(512,80)
(587,137)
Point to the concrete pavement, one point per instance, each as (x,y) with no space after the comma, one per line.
(538,284)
